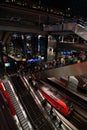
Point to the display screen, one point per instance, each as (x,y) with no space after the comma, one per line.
(33,60)
(7,64)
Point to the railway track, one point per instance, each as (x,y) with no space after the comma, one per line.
(78,117)
(38,120)
(79,121)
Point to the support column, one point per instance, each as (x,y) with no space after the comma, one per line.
(43,46)
(1,54)
(34,45)
(73,40)
(62,39)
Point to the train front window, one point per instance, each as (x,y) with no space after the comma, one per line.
(68,103)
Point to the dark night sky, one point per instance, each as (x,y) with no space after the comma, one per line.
(77,7)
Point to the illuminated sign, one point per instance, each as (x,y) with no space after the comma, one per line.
(7,64)
(23,59)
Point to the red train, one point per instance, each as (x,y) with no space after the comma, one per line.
(58,101)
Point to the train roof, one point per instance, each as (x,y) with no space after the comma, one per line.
(54,93)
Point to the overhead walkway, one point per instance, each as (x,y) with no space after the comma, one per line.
(77,28)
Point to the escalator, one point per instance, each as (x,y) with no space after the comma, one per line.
(35,115)
(80,30)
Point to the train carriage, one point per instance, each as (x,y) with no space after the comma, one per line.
(57,100)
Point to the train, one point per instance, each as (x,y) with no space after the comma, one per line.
(77,81)
(80,82)
(57,100)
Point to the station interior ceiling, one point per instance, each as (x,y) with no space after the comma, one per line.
(18,19)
